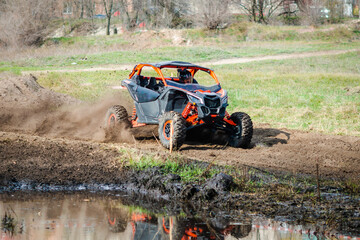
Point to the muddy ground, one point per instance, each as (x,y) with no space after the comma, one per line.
(26,107)
(48,139)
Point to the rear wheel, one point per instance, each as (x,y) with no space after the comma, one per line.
(243,131)
(116,116)
(172,130)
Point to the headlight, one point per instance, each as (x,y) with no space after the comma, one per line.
(194,99)
(224,99)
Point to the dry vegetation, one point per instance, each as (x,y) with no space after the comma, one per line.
(24,22)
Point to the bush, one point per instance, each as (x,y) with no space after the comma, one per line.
(292,20)
(24,22)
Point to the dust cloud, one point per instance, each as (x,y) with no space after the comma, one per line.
(27,107)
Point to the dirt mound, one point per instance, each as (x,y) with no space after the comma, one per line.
(24,91)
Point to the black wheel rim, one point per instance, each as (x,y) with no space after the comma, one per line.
(167,130)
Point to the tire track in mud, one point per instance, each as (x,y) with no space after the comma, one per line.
(282,150)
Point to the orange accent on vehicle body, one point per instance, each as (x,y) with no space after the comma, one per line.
(187,110)
(111,222)
(137,70)
(192,118)
(167,230)
(202,91)
(221,92)
(140,217)
(133,116)
(165,124)
(190,233)
(135,123)
(110,117)
(229,121)
(133,227)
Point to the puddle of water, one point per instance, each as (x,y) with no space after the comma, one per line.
(80,216)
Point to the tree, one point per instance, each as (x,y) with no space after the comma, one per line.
(260,10)
(109,6)
(130,12)
(212,14)
(171,12)
(80,7)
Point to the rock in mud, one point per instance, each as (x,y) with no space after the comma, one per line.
(189,191)
(220,183)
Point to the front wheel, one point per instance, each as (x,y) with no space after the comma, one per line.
(243,131)
(172,130)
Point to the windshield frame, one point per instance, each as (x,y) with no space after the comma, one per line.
(192,69)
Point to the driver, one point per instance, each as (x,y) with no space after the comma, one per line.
(185,76)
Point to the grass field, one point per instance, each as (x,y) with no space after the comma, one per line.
(314,93)
(181,53)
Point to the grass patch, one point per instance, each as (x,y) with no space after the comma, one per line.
(307,94)
(301,101)
(173,164)
(348,63)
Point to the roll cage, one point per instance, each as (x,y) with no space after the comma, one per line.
(192,68)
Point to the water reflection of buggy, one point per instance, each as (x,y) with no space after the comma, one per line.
(144,226)
(193,229)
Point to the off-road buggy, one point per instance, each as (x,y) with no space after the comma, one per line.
(177,103)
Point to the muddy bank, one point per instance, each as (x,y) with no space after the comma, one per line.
(43,164)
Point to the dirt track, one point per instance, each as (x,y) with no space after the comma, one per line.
(207,63)
(45,126)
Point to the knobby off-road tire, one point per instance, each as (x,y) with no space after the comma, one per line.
(179,129)
(116,116)
(243,132)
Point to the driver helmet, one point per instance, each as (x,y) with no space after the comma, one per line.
(185,76)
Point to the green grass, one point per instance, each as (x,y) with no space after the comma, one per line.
(173,164)
(307,94)
(348,63)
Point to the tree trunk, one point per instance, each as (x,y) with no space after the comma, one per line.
(82,9)
(108,25)
(253,11)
